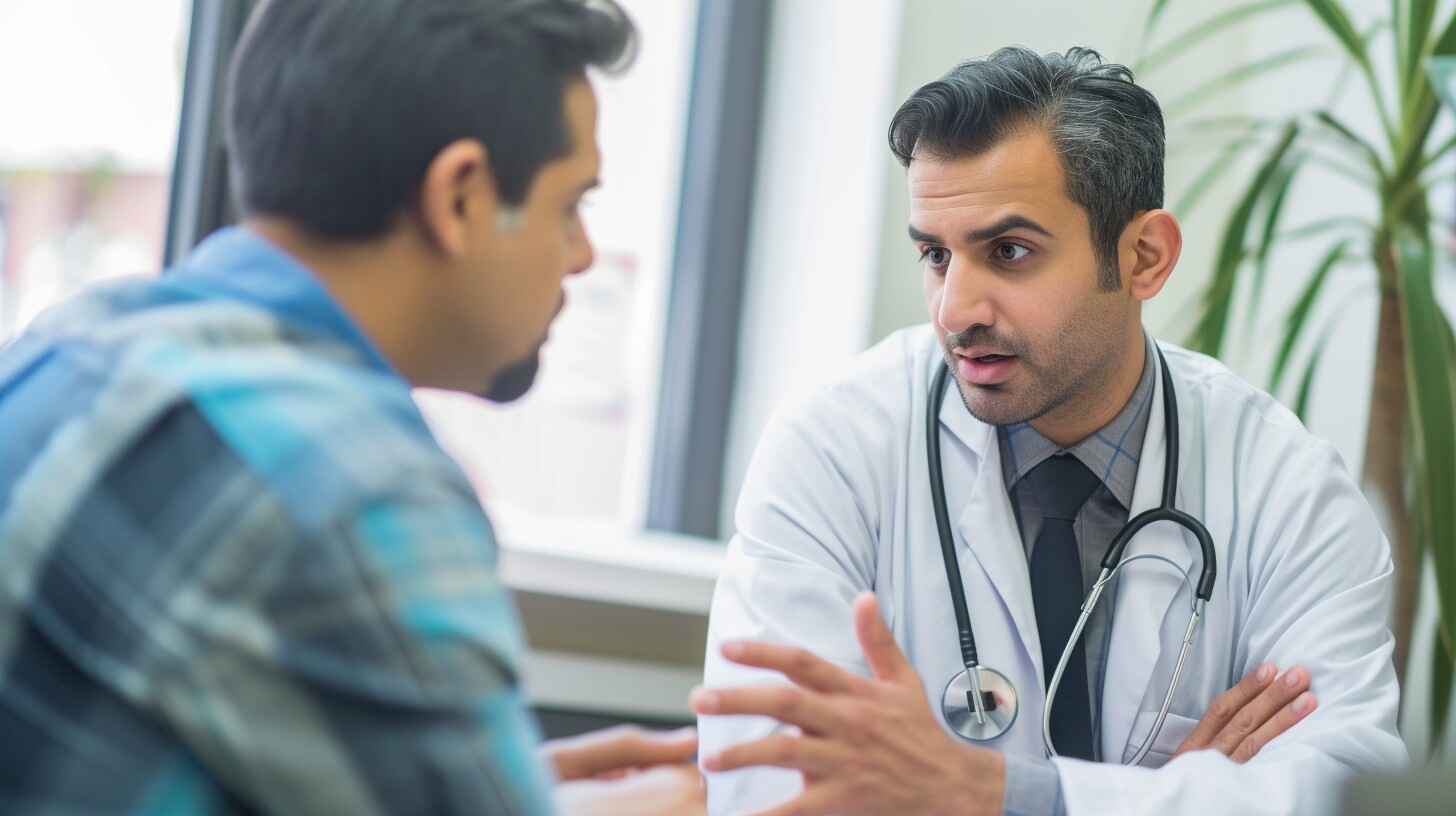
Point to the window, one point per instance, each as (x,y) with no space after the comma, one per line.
(90,101)
(578,445)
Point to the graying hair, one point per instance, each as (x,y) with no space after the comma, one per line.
(1107,130)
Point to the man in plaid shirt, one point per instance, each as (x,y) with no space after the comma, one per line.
(239,573)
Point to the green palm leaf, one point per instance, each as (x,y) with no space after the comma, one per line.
(1306,382)
(1212,325)
(1350,138)
(1441,671)
(1324,226)
(1259,67)
(1414,28)
(1430,361)
(1334,18)
(1183,42)
(1275,197)
(1214,171)
(1299,313)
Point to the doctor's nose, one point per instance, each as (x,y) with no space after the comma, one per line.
(964,301)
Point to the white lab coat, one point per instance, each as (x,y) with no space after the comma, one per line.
(837,501)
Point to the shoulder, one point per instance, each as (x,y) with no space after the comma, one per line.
(1231,409)
(303,415)
(1292,493)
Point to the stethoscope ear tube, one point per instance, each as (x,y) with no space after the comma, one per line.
(942,520)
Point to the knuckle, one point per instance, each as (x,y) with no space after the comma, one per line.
(800,660)
(627,737)
(789,700)
(1245,722)
(1222,707)
(1246,749)
(787,750)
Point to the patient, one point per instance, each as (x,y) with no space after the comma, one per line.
(239,573)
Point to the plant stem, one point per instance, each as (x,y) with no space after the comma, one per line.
(1384,470)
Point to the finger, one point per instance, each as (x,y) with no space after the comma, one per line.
(886,660)
(620,747)
(799,665)
(809,754)
(1225,706)
(1282,721)
(1279,694)
(807,709)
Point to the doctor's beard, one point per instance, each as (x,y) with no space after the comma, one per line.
(1078,361)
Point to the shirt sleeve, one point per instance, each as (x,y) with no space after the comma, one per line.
(366,665)
(1033,787)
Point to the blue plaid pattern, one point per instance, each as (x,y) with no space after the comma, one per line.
(240,574)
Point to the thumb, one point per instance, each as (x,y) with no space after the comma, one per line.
(886,660)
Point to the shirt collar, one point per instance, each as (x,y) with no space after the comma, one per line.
(238,263)
(1112,452)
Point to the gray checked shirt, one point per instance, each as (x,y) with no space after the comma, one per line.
(1112,453)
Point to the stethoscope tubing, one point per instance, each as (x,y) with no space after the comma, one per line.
(1112,560)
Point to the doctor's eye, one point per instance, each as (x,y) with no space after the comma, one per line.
(937,257)
(1007,252)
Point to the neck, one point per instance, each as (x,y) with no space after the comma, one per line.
(363,277)
(1068,424)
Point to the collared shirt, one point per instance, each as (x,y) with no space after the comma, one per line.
(240,574)
(1112,454)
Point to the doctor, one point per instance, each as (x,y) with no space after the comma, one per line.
(1036,215)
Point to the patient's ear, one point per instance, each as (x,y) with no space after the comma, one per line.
(456,197)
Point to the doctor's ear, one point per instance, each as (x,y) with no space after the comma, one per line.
(1148,252)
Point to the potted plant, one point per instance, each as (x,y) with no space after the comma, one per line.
(1409,468)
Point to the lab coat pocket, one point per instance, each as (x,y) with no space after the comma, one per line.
(1176,728)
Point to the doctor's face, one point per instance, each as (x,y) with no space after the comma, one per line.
(1012,284)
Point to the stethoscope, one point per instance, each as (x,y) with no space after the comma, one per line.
(980,703)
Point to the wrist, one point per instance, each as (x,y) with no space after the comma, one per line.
(979,782)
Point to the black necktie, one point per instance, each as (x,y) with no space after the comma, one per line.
(1062,484)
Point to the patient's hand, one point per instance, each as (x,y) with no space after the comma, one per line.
(1243,719)
(627,771)
(658,791)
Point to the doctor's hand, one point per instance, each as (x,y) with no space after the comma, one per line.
(867,745)
(1246,717)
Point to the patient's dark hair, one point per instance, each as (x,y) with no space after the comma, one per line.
(337,107)
(1107,130)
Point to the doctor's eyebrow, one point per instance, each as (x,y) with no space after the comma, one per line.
(984,234)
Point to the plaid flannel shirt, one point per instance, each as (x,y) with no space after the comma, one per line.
(239,574)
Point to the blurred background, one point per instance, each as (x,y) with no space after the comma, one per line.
(750,235)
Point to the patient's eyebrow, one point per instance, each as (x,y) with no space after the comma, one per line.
(923,237)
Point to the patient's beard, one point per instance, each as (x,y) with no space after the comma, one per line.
(514,380)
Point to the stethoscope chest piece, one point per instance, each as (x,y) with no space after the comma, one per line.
(999,704)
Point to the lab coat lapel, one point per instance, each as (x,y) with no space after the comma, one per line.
(986,529)
(1145,592)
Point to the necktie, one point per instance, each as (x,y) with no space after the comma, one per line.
(1062,484)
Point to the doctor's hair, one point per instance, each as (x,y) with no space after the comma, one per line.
(1108,131)
(335,108)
